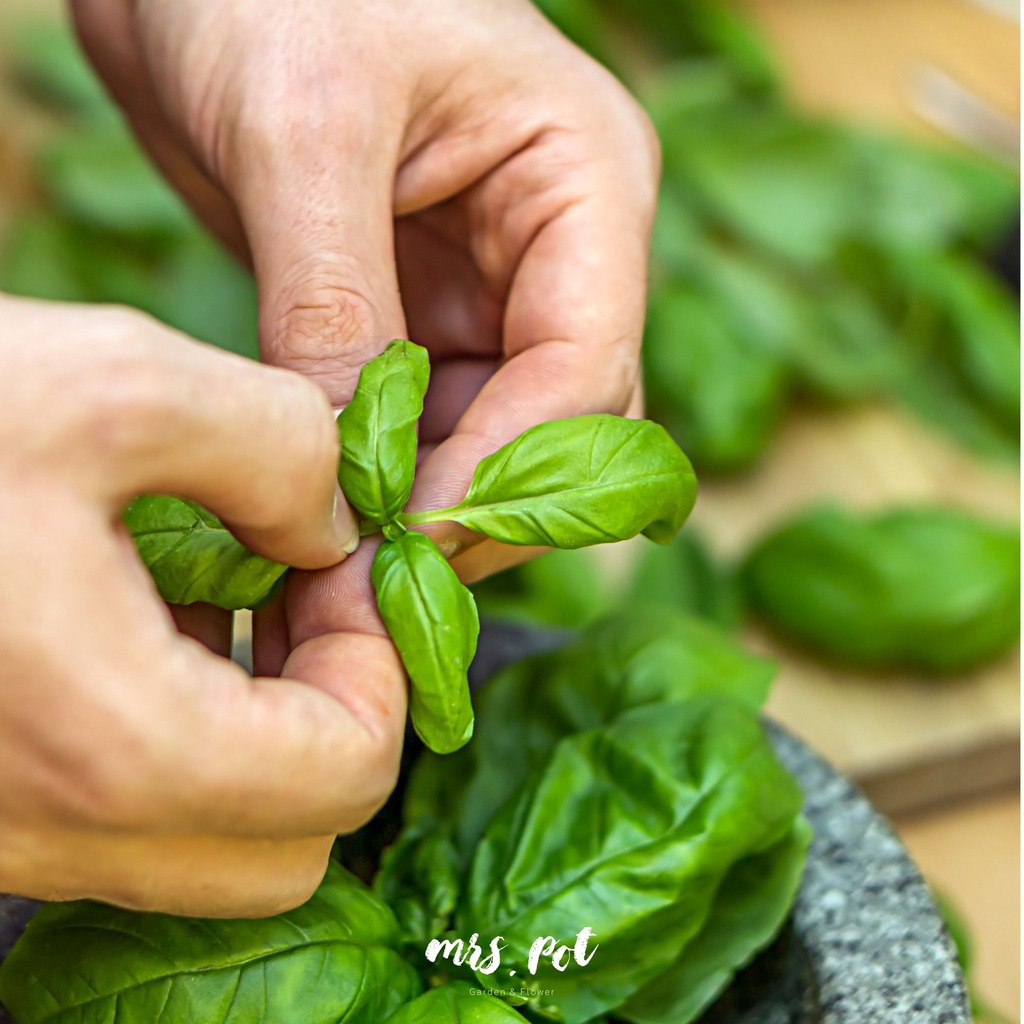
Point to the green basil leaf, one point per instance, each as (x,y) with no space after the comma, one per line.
(575,482)
(930,589)
(433,622)
(750,905)
(687,576)
(455,1003)
(378,431)
(420,878)
(102,178)
(50,64)
(562,588)
(629,830)
(720,395)
(326,961)
(193,557)
(780,182)
(652,656)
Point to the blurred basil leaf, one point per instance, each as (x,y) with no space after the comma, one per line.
(930,589)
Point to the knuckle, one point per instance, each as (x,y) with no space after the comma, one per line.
(320,305)
(322,313)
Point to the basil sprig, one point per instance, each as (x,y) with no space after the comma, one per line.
(564,484)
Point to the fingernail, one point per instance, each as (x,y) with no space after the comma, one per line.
(345,524)
(449,547)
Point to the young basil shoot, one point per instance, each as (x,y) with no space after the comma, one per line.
(563,484)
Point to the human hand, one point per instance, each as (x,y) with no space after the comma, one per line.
(454,172)
(136,766)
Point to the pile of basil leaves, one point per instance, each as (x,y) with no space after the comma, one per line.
(622,783)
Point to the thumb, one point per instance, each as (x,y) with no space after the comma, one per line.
(320,229)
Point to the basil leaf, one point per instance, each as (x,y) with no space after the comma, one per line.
(651,657)
(378,431)
(630,830)
(720,395)
(420,878)
(320,963)
(687,576)
(574,482)
(101,177)
(929,589)
(456,1003)
(433,622)
(192,556)
(563,588)
(750,905)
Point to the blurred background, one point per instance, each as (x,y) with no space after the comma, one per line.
(834,316)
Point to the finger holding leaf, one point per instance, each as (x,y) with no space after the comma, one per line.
(568,483)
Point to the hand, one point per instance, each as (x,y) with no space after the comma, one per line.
(135,766)
(448,170)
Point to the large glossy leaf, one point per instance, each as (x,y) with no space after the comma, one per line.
(326,962)
(645,658)
(628,830)
(456,1003)
(193,557)
(751,904)
(929,588)
(378,431)
(575,482)
(433,622)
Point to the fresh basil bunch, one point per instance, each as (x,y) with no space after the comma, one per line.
(645,730)
(622,783)
(564,484)
(930,589)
